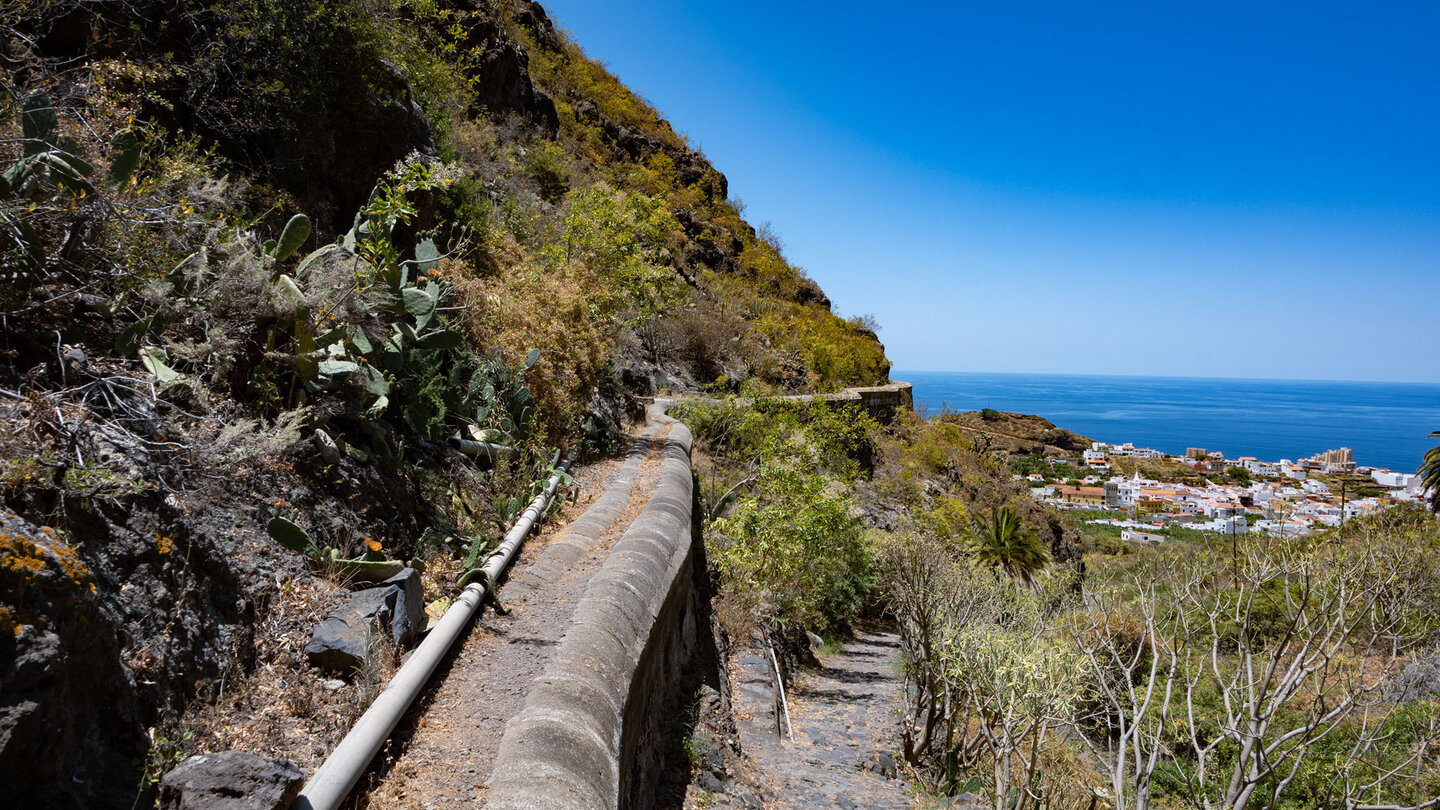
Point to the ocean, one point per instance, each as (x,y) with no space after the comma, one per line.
(1386,424)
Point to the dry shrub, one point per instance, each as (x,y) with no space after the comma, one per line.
(382,658)
(280,707)
(706,339)
(1069,779)
(524,307)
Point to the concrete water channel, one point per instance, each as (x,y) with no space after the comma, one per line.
(558,704)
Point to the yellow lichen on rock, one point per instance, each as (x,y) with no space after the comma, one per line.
(26,557)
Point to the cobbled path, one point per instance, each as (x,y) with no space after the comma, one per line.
(845,729)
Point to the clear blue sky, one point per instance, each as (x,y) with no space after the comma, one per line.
(1222,189)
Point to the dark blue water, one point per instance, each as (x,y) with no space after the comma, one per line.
(1386,424)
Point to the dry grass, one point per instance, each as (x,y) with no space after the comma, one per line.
(525,307)
(282,707)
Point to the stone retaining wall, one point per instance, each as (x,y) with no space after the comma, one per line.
(588,736)
(884,401)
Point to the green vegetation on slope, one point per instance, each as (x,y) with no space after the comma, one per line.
(566,213)
(1201,672)
(467,171)
(805,497)
(1195,673)
(778,488)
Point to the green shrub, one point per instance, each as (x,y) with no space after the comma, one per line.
(791,553)
(546,162)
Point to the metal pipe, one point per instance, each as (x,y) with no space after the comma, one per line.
(780,686)
(340,771)
(487,450)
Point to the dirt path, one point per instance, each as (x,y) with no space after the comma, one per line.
(845,731)
(443,752)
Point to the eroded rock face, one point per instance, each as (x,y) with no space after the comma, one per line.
(501,82)
(231,780)
(70,733)
(504,85)
(532,15)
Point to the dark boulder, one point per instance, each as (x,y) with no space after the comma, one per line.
(705,253)
(342,641)
(231,780)
(405,598)
(807,292)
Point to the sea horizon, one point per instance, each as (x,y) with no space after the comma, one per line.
(894,372)
(1385,423)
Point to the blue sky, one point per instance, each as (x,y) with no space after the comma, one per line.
(1221,189)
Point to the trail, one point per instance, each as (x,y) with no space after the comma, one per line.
(443,752)
(845,730)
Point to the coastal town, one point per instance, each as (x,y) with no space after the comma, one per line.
(1209,492)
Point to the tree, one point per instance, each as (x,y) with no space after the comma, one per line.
(1021,683)
(991,683)
(1250,690)
(931,590)
(1430,473)
(789,551)
(1007,543)
(1284,678)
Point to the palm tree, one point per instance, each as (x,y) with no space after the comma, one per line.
(1005,541)
(1430,473)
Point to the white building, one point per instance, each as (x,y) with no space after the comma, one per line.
(1122,493)
(1393,480)
(1224,525)
(1127,450)
(1264,469)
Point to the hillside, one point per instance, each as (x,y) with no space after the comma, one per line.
(262,259)
(1016,432)
(306,303)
